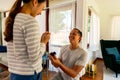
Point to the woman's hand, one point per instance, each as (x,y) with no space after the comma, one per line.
(45,37)
(55,61)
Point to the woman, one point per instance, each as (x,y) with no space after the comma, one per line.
(72,58)
(24,46)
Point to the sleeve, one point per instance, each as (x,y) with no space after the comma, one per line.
(82,59)
(35,49)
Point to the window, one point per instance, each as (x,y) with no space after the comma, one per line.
(89,18)
(61,22)
(93,31)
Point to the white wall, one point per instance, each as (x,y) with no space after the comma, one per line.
(105,23)
(105,11)
(5,5)
(108,8)
(92,4)
(105,16)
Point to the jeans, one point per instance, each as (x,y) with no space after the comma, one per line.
(26,77)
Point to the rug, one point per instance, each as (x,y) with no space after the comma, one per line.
(110,75)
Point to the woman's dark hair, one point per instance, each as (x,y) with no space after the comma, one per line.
(8,33)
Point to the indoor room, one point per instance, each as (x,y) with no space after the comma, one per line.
(97,20)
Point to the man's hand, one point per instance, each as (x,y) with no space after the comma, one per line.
(55,61)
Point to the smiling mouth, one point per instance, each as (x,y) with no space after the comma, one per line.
(71,38)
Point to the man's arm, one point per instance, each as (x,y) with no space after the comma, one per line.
(73,72)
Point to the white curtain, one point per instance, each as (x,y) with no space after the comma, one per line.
(94,31)
(61,22)
(115,30)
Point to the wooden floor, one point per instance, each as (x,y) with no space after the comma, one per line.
(47,77)
(99,72)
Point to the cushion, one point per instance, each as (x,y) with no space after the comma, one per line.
(118,61)
(114,51)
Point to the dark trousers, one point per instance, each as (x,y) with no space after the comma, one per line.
(26,77)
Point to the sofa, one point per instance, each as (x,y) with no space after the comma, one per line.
(111,54)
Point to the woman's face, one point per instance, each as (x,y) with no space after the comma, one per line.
(37,8)
(74,37)
(40,8)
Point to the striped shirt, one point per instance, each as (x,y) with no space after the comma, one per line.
(24,54)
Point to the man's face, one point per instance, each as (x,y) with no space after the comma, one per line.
(74,37)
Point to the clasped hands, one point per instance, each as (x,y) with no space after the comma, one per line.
(45,37)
